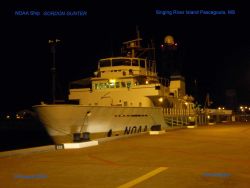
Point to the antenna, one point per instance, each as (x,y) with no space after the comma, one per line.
(138,35)
(53,44)
(207,101)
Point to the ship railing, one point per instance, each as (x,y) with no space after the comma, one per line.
(177,121)
(174,111)
(164,81)
(181,117)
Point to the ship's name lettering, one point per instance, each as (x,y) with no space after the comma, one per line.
(65,13)
(132,115)
(34,176)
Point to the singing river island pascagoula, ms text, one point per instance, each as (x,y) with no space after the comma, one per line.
(169,12)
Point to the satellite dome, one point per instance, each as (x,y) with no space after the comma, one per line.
(169,40)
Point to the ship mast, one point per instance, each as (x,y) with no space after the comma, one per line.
(138,36)
(133,48)
(53,44)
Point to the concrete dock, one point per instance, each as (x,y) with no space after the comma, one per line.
(207,156)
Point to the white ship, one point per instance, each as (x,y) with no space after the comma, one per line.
(125,96)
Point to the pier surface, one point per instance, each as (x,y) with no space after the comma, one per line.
(207,156)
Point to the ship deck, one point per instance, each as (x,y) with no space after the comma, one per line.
(207,156)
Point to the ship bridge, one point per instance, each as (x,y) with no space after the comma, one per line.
(124,72)
(116,67)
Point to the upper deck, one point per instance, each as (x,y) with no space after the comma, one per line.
(116,67)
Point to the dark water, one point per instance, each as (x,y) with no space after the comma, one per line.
(20,134)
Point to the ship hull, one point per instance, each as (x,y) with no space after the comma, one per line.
(62,121)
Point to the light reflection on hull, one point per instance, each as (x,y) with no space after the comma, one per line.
(61,121)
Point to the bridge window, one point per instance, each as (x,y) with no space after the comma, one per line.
(135,62)
(102,85)
(121,62)
(142,63)
(123,84)
(107,85)
(105,63)
(117,84)
(112,85)
(128,84)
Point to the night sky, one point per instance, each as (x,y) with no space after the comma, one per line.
(215,49)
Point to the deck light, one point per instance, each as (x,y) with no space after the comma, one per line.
(160,99)
(112,81)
